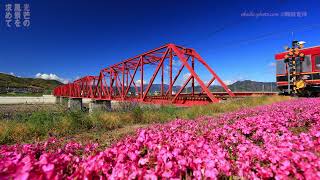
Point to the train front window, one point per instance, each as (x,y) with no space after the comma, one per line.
(317,62)
(281,67)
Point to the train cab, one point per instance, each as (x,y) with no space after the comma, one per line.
(308,70)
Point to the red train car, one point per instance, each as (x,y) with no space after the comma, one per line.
(308,70)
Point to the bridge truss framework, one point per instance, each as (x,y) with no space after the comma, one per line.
(121,81)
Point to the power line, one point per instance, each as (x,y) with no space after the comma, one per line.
(265,36)
(224,27)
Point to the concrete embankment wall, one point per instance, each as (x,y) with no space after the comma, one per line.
(45,99)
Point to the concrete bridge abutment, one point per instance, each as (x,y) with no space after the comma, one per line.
(75,104)
(78,104)
(61,100)
(99,105)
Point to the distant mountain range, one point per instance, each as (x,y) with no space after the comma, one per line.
(9,83)
(240,86)
(248,85)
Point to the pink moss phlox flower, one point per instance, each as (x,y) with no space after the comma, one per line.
(278,141)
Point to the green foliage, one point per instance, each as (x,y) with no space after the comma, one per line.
(28,86)
(228,106)
(40,123)
(6,133)
(107,120)
(137,114)
(79,120)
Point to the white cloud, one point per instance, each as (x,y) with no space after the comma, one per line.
(186,76)
(51,77)
(228,82)
(176,62)
(215,82)
(233,79)
(10,73)
(182,80)
(167,69)
(138,82)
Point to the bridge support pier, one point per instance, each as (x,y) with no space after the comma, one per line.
(58,100)
(99,105)
(61,100)
(75,104)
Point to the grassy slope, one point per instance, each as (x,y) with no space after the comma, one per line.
(106,127)
(13,81)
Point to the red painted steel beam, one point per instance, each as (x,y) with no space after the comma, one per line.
(124,81)
(184,61)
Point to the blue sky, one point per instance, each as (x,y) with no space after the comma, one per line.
(76,38)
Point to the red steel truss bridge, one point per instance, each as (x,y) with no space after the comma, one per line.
(171,71)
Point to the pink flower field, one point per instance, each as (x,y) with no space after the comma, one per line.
(279,141)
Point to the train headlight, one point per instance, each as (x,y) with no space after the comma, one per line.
(301,44)
(300,84)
